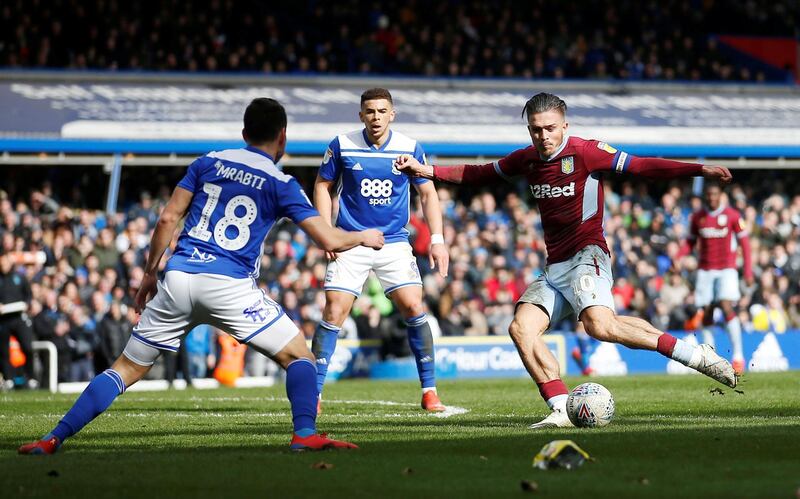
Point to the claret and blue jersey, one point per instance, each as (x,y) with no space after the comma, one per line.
(372,193)
(239,194)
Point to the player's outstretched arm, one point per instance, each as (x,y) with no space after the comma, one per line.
(333,239)
(456,174)
(718,173)
(173,212)
(660,168)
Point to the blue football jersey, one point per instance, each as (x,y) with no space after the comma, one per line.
(239,194)
(372,193)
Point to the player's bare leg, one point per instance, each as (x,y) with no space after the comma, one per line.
(707,323)
(408,300)
(301,379)
(603,324)
(526,330)
(734,328)
(337,308)
(95,399)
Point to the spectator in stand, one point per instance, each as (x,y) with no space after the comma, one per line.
(201,351)
(507,38)
(643,229)
(114,330)
(15,297)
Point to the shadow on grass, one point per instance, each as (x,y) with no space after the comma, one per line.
(692,463)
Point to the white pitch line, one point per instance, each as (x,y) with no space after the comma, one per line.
(369,402)
(451,410)
(448,412)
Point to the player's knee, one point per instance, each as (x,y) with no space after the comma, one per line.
(727,309)
(414,309)
(335,312)
(287,356)
(519,330)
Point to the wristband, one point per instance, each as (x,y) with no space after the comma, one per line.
(437,239)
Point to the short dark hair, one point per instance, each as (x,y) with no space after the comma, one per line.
(376,93)
(264,119)
(542,102)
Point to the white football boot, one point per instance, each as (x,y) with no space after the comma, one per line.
(715,367)
(557,419)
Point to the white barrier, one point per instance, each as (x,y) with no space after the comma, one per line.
(52,362)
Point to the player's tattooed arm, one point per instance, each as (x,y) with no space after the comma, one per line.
(172,214)
(333,239)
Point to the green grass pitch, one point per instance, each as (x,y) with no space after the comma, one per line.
(672,437)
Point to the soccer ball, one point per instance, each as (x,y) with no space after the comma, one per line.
(590,405)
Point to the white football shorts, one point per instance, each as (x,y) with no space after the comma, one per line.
(712,286)
(394,264)
(235,306)
(573,285)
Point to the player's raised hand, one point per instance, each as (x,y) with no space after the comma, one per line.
(410,166)
(146,291)
(719,173)
(439,258)
(372,238)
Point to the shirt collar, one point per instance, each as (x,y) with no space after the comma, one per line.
(374,147)
(259,151)
(558,151)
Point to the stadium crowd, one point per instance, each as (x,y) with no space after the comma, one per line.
(665,40)
(84,267)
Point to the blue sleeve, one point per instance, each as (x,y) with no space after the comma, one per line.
(419,155)
(189,181)
(294,203)
(331,163)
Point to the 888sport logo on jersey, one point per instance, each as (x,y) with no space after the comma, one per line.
(378,191)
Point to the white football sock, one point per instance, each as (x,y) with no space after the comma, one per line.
(686,354)
(708,336)
(558,403)
(734,327)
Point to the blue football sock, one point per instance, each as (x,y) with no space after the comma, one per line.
(421,342)
(302,393)
(95,399)
(323,346)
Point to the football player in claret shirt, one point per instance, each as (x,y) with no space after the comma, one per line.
(230,200)
(564,175)
(719,231)
(359,168)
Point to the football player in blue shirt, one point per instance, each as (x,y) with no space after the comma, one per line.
(358,167)
(231,199)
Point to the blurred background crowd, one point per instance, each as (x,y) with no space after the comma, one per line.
(83,267)
(596,39)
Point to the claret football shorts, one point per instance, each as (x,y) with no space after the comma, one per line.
(573,285)
(235,306)
(394,265)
